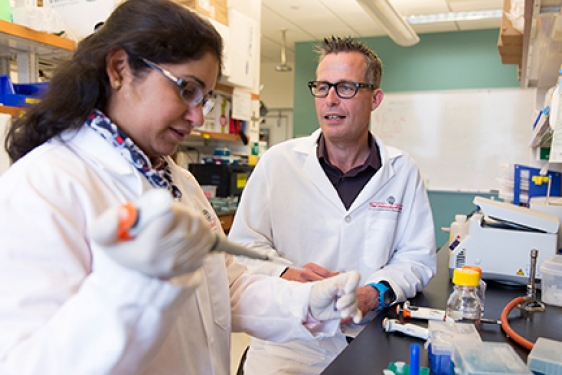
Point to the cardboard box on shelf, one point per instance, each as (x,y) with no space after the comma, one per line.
(510,40)
(509,36)
(215,9)
(510,58)
(510,54)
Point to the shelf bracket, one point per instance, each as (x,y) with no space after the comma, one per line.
(5,65)
(28,67)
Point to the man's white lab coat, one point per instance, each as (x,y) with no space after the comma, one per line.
(65,308)
(291,211)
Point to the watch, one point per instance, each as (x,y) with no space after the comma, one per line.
(386,294)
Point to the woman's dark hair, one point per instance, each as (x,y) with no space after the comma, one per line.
(158,30)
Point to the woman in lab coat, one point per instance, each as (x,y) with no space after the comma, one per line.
(100,138)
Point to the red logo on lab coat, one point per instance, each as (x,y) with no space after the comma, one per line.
(385,206)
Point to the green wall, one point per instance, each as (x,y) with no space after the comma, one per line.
(441,61)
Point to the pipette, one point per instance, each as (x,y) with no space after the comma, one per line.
(427,313)
(133,218)
(393,325)
(222,244)
(415,312)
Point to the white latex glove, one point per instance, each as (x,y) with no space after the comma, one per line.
(335,297)
(166,239)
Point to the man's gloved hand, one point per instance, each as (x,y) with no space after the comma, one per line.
(335,297)
(154,235)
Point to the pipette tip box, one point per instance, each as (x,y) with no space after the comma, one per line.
(487,358)
(442,336)
(546,357)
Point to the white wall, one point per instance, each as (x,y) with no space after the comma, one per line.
(277,88)
(277,93)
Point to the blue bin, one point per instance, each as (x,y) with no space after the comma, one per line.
(529,179)
(21,95)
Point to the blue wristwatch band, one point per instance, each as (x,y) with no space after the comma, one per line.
(382,288)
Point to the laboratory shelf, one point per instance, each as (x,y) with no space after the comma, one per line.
(202,134)
(16,39)
(13,111)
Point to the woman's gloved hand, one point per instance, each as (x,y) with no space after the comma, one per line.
(335,297)
(154,235)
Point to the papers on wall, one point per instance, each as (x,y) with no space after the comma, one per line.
(241,104)
(556,124)
(242,49)
(542,134)
(5,122)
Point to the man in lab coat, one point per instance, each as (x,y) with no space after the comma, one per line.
(335,201)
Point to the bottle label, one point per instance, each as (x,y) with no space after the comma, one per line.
(454,244)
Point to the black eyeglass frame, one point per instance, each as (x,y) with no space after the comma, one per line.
(189,98)
(312,86)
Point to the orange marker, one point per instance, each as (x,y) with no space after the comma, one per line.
(128,219)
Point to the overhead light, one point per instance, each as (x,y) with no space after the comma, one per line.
(454,16)
(392,22)
(283,67)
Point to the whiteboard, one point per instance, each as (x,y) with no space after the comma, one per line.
(459,138)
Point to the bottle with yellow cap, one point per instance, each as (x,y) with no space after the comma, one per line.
(481,288)
(463,304)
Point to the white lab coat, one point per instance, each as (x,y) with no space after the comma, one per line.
(65,308)
(291,211)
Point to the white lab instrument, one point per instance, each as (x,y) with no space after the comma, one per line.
(500,239)
(393,325)
(549,205)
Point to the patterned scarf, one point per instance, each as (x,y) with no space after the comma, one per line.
(159,178)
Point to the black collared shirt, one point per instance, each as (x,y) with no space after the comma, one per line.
(349,185)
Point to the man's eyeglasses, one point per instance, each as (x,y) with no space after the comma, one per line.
(344,89)
(190,91)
